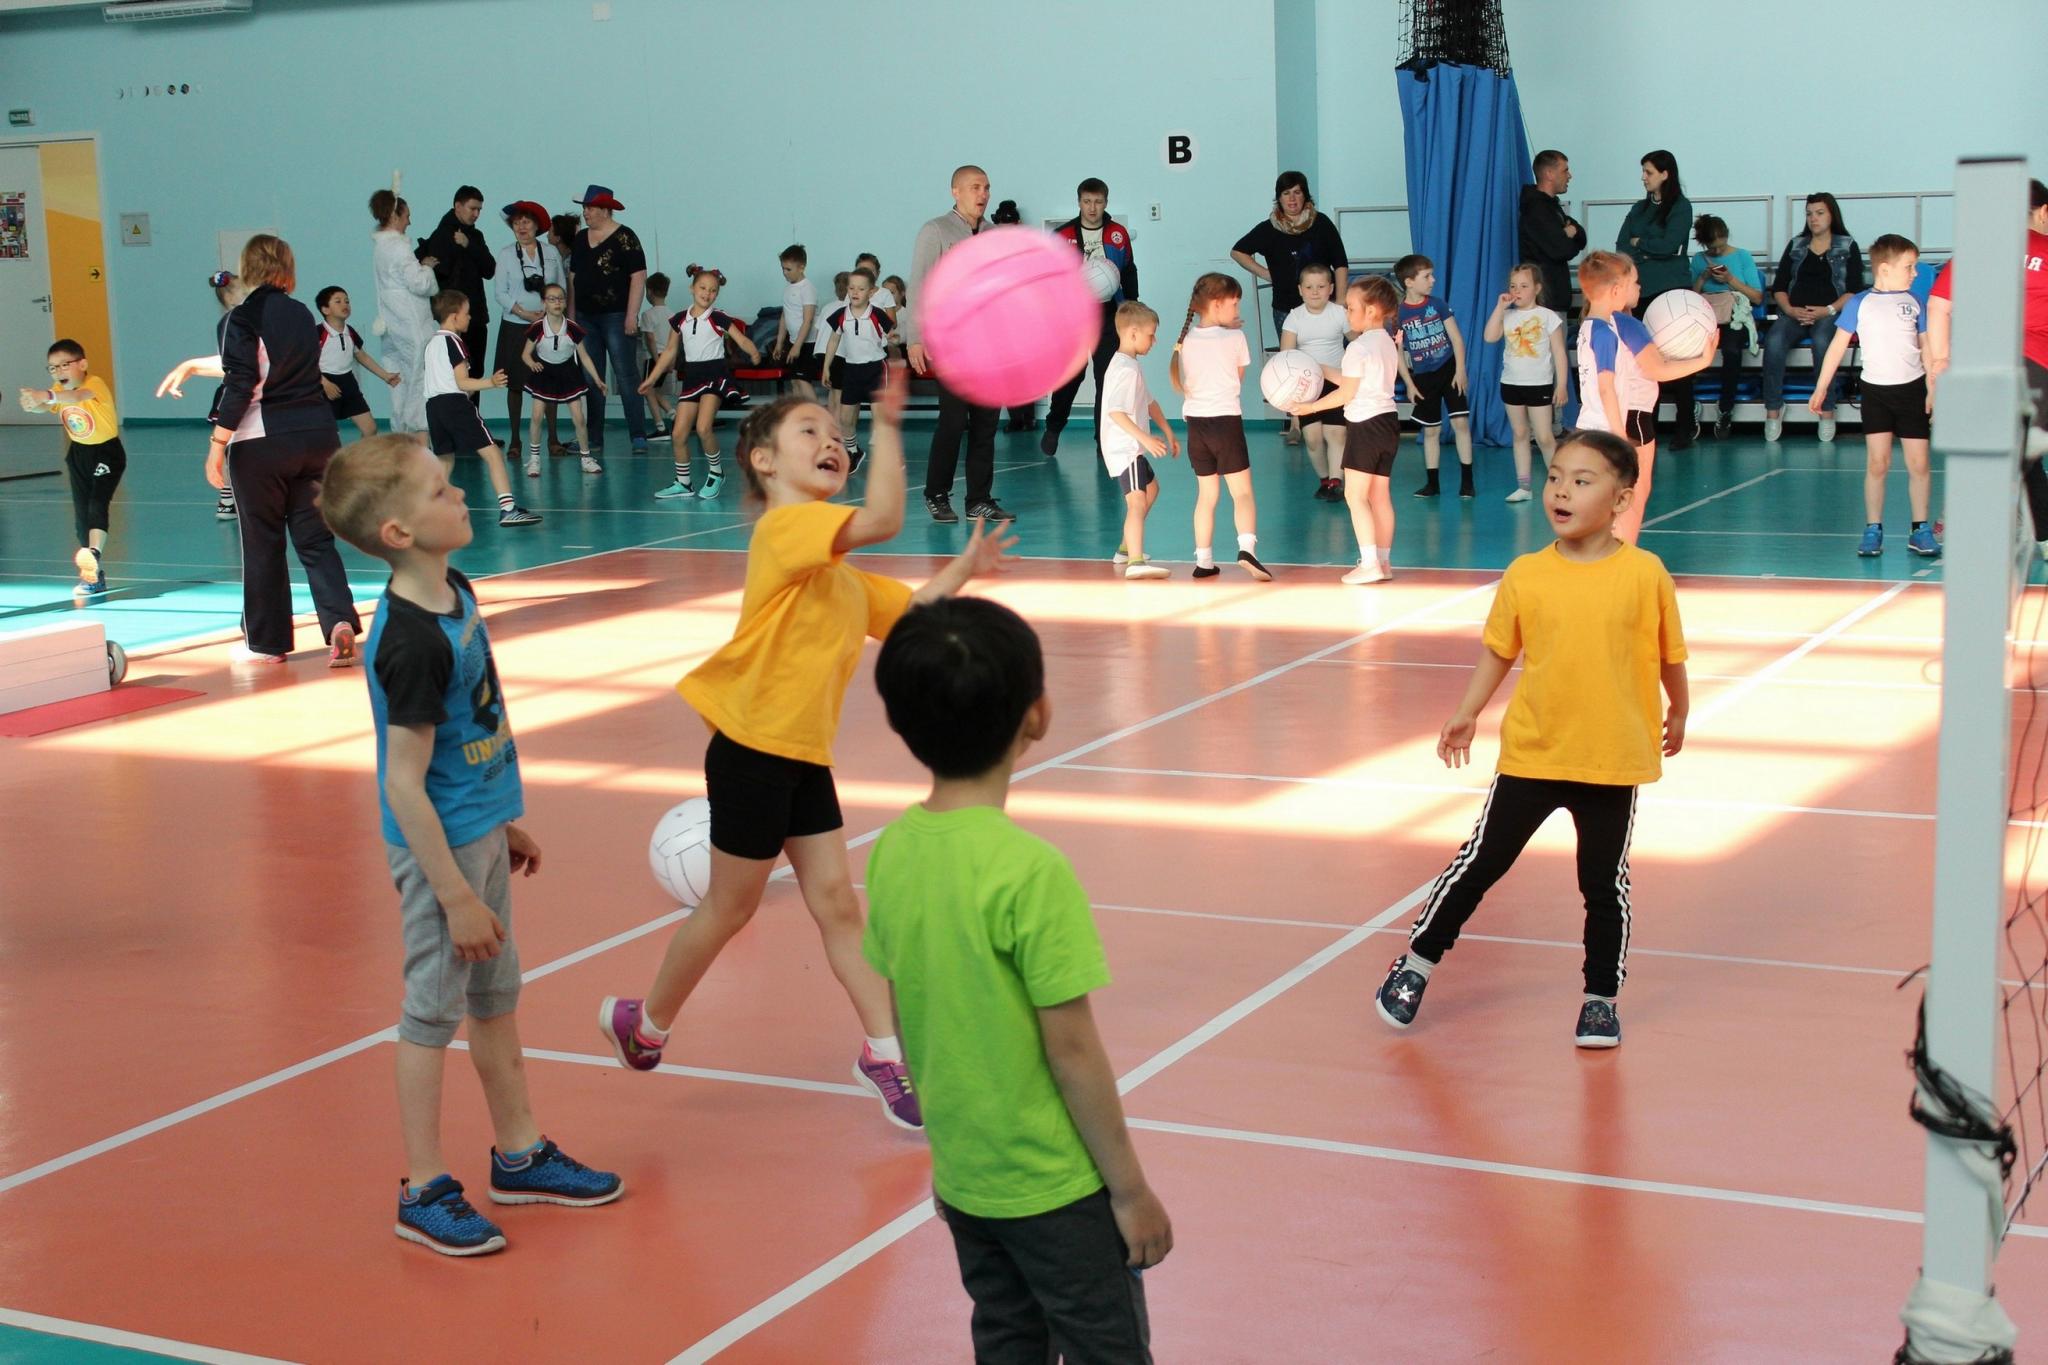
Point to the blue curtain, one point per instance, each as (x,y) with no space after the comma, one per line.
(1468,159)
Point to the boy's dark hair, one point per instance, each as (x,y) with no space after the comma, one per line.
(759,429)
(658,283)
(1889,248)
(1408,267)
(957,676)
(65,346)
(868,256)
(564,225)
(1547,159)
(448,303)
(795,252)
(1091,185)
(861,272)
(326,296)
(1619,454)
(2037,195)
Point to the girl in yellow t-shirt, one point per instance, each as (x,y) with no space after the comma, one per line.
(93,454)
(772,699)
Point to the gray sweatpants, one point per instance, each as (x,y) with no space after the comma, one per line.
(439,986)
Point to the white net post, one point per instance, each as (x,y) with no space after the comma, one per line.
(1951,1315)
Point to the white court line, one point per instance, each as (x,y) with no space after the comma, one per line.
(262,1083)
(1717,704)
(1583,1178)
(1829,684)
(136,1341)
(1713,497)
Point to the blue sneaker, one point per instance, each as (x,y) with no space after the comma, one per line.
(1599,1025)
(639,445)
(1872,544)
(548,1175)
(1923,543)
(440,1219)
(1400,995)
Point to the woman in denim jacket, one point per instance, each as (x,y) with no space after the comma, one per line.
(1821,268)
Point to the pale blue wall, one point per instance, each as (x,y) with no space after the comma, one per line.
(727,134)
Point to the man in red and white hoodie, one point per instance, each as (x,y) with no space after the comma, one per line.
(1094,234)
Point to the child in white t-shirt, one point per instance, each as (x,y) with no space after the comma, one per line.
(794,351)
(1364,390)
(820,336)
(1207,370)
(856,351)
(1128,413)
(1891,326)
(1532,367)
(654,334)
(1317,329)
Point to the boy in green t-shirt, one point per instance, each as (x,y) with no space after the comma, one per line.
(986,939)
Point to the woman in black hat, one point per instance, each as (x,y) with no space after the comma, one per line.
(607,277)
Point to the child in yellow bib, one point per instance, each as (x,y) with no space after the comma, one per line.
(93,455)
(772,698)
(1595,622)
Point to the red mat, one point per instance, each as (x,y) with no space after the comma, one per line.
(62,715)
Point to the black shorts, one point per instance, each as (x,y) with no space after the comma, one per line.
(1370,446)
(453,425)
(859,381)
(1641,427)
(1216,446)
(1435,394)
(805,364)
(835,377)
(1328,417)
(350,400)
(1898,410)
(1137,478)
(760,801)
(1527,395)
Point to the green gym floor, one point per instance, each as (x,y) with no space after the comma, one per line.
(1740,507)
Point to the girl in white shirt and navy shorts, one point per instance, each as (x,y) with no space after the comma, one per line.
(1208,368)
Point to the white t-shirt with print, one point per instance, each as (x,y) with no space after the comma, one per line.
(1211,362)
(1525,343)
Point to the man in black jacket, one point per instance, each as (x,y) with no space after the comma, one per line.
(1551,238)
(462,261)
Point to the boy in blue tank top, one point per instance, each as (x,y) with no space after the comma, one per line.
(448,791)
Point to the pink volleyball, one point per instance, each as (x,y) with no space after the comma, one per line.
(1007,317)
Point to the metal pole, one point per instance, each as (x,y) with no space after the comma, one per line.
(1977,429)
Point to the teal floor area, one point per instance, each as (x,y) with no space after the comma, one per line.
(1738,507)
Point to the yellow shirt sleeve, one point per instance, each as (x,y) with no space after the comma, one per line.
(797,539)
(1503,633)
(888,599)
(1670,632)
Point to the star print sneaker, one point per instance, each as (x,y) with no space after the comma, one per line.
(1599,1025)
(1400,995)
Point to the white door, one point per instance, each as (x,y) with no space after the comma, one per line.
(29,327)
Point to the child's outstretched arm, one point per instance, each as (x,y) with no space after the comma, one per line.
(468,385)
(661,366)
(1454,745)
(364,359)
(745,343)
(1347,385)
(1837,348)
(1080,1067)
(880,515)
(1679,691)
(985,554)
(203,366)
(1663,369)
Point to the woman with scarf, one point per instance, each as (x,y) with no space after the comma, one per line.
(1292,236)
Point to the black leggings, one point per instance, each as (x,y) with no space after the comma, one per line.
(276,480)
(1515,807)
(1734,346)
(95,473)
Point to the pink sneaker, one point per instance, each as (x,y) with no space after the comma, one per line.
(889,1082)
(618,1020)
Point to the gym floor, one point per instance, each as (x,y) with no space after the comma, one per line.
(198,963)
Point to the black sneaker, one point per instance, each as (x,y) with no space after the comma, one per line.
(854,456)
(1049,444)
(1429,490)
(1206,571)
(224,510)
(1599,1025)
(517,516)
(988,509)
(1465,486)
(1249,562)
(1723,425)
(1400,995)
(941,507)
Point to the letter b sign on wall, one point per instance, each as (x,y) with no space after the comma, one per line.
(1178,151)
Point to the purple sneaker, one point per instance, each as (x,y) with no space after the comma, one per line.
(889,1082)
(618,1021)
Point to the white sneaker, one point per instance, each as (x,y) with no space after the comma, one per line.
(1774,427)
(1365,573)
(1827,430)
(2037,443)
(1145,568)
(1519,495)
(591,466)
(242,654)
(533,466)
(1119,559)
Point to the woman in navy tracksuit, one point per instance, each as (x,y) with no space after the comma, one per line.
(273,435)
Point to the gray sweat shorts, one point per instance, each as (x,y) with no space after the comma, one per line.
(439,986)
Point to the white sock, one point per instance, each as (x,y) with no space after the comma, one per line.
(885,1049)
(648,1030)
(1248,542)
(1419,964)
(1603,999)
(533,451)
(506,502)
(1205,557)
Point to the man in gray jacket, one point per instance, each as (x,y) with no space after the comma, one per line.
(957,417)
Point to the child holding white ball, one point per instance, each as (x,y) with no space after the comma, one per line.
(1532,367)
(1364,390)
(771,698)
(1318,331)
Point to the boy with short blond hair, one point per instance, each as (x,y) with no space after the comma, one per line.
(449,792)
(1129,413)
